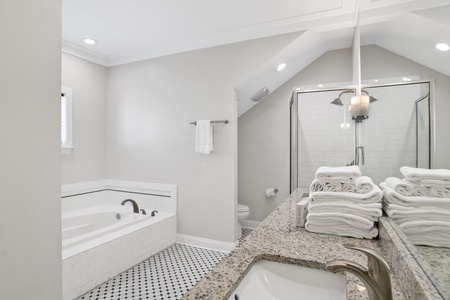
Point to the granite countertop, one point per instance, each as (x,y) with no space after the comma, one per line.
(278,239)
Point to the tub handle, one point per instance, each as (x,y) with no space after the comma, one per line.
(154,213)
(143,211)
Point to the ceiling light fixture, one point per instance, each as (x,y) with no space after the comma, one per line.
(281,67)
(89,41)
(443,46)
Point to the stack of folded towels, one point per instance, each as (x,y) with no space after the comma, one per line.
(420,205)
(343,202)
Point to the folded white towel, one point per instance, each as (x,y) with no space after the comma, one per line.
(422,176)
(418,190)
(364,184)
(430,233)
(391,196)
(341,224)
(400,186)
(401,215)
(203,137)
(374,196)
(338,174)
(371,211)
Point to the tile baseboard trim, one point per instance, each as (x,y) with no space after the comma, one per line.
(205,243)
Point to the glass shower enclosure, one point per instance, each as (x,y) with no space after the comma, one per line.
(399,131)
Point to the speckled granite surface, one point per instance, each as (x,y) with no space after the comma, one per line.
(278,239)
(414,283)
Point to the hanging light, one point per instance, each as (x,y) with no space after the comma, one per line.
(360,107)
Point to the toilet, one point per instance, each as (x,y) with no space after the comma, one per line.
(242,211)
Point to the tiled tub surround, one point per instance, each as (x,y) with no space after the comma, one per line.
(91,262)
(277,239)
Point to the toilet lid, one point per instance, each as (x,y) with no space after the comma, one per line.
(242,207)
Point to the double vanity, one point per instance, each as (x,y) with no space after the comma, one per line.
(277,245)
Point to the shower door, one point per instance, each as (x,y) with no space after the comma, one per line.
(397,133)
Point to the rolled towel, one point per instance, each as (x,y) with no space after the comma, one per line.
(392,197)
(374,196)
(317,185)
(338,174)
(341,224)
(440,192)
(400,186)
(430,233)
(426,176)
(364,184)
(370,211)
(349,188)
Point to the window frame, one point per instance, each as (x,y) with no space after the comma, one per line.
(67,147)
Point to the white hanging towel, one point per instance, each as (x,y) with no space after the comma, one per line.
(203,137)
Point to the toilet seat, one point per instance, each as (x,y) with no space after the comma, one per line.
(242,208)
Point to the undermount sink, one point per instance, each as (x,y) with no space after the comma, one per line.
(278,281)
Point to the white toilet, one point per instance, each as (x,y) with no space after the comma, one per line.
(242,211)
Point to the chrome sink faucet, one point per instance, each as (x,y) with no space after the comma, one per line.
(135,206)
(376,277)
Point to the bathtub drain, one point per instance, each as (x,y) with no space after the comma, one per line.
(118,216)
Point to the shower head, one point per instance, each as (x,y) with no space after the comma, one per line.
(337,101)
(371,98)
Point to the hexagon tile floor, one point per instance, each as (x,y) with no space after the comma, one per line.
(167,275)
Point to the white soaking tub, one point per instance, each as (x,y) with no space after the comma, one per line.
(102,238)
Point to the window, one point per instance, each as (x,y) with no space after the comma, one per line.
(66,120)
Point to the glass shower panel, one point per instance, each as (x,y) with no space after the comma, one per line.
(389,135)
(322,141)
(396,134)
(423,132)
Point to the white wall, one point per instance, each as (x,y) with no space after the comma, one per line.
(87,162)
(150,106)
(264,130)
(30,89)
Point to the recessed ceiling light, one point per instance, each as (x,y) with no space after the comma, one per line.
(281,67)
(89,41)
(406,79)
(298,89)
(320,85)
(443,46)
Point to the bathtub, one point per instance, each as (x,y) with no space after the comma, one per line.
(102,238)
(91,227)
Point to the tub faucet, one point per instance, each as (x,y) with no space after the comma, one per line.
(376,278)
(135,206)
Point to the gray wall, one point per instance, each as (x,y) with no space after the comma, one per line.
(263,131)
(87,161)
(30,88)
(150,106)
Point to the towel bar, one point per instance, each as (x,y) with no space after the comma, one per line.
(220,121)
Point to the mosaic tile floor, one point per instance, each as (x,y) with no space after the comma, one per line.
(167,275)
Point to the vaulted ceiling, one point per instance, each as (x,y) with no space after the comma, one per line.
(129,31)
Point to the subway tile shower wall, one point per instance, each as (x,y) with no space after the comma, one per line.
(389,135)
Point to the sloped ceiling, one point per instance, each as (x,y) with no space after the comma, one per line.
(129,31)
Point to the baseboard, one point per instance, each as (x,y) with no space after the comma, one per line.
(205,243)
(250,224)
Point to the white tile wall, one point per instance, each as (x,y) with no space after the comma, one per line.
(91,268)
(389,135)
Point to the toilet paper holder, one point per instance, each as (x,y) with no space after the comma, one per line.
(271,192)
